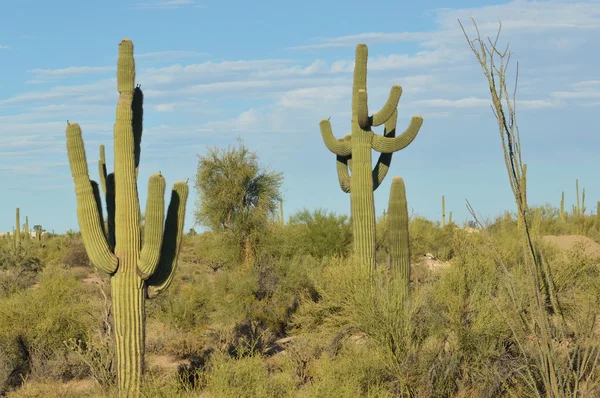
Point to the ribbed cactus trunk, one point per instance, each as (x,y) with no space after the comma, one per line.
(362,202)
(27,234)
(397,220)
(562,206)
(354,155)
(281,219)
(139,268)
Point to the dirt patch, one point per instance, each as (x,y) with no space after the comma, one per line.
(431,262)
(166,362)
(569,242)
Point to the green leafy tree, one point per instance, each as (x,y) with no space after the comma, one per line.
(237,196)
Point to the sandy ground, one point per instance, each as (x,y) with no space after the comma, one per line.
(568,242)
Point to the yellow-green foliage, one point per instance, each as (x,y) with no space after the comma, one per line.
(34,323)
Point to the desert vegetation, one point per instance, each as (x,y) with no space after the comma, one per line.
(311,304)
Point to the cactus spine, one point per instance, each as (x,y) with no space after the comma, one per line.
(353,153)
(397,219)
(138,269)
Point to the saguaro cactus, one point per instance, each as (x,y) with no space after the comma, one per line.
(443,211)
(139,268)
(578,202)
(354,155)
(397,220)
(18,231)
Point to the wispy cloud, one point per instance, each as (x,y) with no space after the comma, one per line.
(532,17)
(167,4)
(368,38)
(4,47)
(87,92)
(473,102)
(69,71)
(587,89)
(165,107)
(169,55)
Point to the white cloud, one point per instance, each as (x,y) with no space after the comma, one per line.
(305,98)
(164,107)
(587,89)
(473,102)
(247,121)
(519,16)
(368,38)
(208,70)
(70,71)
(167,4)
(3,47)
(91,91)
(170,55)
(459,103)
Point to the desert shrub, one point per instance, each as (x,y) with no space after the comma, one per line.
(53,249)
(428,237)
(358,370)
(34,324)
(75,254)
(184,305)
(215,250)
(321,233)
(18,270)
(245,377)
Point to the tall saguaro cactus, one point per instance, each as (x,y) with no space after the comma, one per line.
(354,155)
(397,220)
(139,268)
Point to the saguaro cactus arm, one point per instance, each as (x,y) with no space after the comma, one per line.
(90,220)
(364,120)
(153,228)
(171,243)
(381,167)
(102,168)
(339,147)
(342,165)
(390,145)
(385,159)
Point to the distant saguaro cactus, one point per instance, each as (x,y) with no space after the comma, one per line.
(139,268)
(18,231)
(443,211)
(353,154)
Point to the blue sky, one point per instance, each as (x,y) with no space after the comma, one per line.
(269,71)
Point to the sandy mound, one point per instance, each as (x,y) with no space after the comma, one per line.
(568,242)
